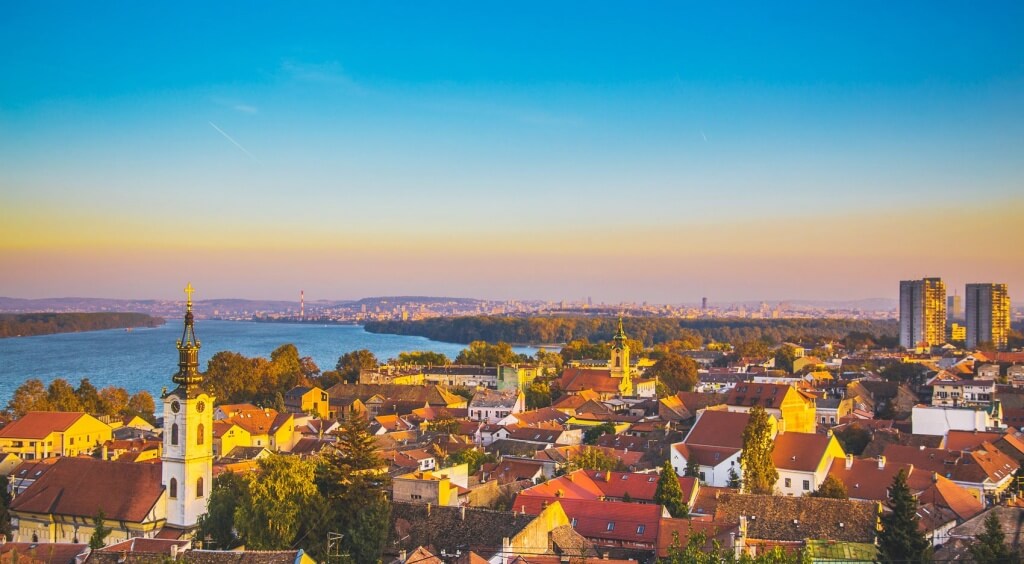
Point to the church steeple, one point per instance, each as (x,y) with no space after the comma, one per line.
(619,340)
(188,348)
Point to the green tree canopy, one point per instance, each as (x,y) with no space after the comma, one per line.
(831,487)
(473,457)
(669,493)
(350,363)
(423,358)
(591,458)
(989,546)
(591,435)
(218,523)
(901,540)
(30,396)
(279,495)
(100,531)
(61,396)
(759,473)
(538,394)
(905,373)
(141,404)
(678,373)
(784,357)
(482,353)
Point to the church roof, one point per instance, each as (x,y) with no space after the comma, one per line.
(79,487)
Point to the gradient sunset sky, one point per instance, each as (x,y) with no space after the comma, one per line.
(549,150)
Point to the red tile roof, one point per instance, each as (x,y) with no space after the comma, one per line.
(39,424)
(45,552)
(865,480)
(945,493)
(766,395)
(718,429)
(594,485)
(963,440)
(603,520)
(801,452)
(152,546)
(673,530)
(579,379)
(80,486)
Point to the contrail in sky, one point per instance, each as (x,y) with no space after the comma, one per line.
(701,134)
(236,143)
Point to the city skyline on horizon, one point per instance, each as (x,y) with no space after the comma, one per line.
(746,153)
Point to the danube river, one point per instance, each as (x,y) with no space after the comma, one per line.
(145,359)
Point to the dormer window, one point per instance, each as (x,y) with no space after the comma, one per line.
(611,526)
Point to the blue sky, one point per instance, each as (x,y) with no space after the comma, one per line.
(446,137)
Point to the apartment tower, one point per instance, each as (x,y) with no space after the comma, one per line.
(922,312)
(988,315)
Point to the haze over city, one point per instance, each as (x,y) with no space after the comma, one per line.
(522,151)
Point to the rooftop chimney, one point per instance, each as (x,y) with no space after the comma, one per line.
(462,512)
(174,552)
(881,462)
(849,461)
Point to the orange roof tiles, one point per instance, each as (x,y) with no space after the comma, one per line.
(79,486)
(39,424)
(718,429)
(801,452)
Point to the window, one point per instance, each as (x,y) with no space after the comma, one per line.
(174,434)
(611,526)
(807,485)
(173,488)
(573,523)
(200,434)
(789,482)
(640,529)
(701,476)
(199,487)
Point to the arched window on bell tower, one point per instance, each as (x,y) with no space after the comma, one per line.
(199,487)
(174,434)
(200,430)
(173,488)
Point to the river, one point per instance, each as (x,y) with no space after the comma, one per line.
(145,359)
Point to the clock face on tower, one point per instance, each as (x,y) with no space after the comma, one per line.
(175,406)
(201,406)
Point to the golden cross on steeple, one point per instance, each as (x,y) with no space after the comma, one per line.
(188,292)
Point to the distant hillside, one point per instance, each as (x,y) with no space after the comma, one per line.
(28,324)
(650,330)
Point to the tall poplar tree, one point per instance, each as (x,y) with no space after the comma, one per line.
(669,493)
(901,540)
(759,473)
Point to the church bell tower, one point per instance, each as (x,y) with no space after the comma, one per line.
(619,362)
(188,433)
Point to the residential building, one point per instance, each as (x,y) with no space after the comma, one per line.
(940,419)
(447,486)
(715,442)
(963,392)
(304,399)
(802,461)
(988,315)
(495,407)
(42,434)
(793,407)
(922,313)
(599,485)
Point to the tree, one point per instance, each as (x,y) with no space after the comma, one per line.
(141,404)
(734,479)
(114,400)
(278,496)
(218,523)
(30,396)
(784,357)
(759,473)
(669,493)
(423,358)
(831,487)
(286,370)
(443,424)
(853,438)
(482,353)
(678,373)
(989,547)
(538,395)
(692,468)
(900,539)
(100,531)
(89,397)
(472,457)
(350,363)
(593,458)
(905,373)
(61,396)
(5,507)
(353,482)
(551,361)
(591,435)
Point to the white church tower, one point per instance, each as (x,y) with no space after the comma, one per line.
(188,434)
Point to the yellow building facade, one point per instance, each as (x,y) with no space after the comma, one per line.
(43,434)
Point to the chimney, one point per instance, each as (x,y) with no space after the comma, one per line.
(881,462)
(462,512)
(428,510)
(105,452)
(608,476)
(403,556)
(174,552)
(849,461)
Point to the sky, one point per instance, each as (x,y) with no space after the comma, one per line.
(524,150)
